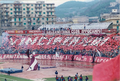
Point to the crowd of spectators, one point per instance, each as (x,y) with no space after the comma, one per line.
(111,54)
(109,49)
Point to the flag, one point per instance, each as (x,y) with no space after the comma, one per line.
(33,64)
(27,52)
(98,53)
(18,53)
(107,71)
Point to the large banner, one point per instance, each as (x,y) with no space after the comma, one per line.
(53,57)
(72,31)
(66,42)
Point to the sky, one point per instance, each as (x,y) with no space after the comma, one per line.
(56,2)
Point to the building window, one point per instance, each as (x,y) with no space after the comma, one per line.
(27,4)
(10,8)
(14,19)
(39,4)
(47,19)
(19,13)
(27,9)
(42,18)
(11,13)
(52,23)
(43,12)
(15,24)
(38,23)
(27,12)
(117,28)
(51,13)
(31,8)
(47,13)
(24,23)
(23,8)
(43,8)
(38,18)
(33,18)
(18,9)
(35,4)
(44,5)
(24,18)
(117,21)
(15,9)
(31,12)
(23,4)
(23,12)
(34,23)
(36,12)
(10,4)
(19,23)
(47,4)
(19,19)
(39,13)
(47,22)
(29,23)
(31,4)
(43,23)
(29,18)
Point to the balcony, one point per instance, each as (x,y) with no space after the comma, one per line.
(117,24)
(6,7)
(6,11)
(51,16)
(39,15)
(50,21)
(48,15)
(50,7)
(17,15)
(11,21)
(17,7)
(27,6)
(38,20)
(38,6)
(28,15)
(29,20)
(50,10)
(18,21)
(18,11)
(6,15)
(38,10)
(28,11)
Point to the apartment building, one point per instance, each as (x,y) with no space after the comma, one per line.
(19,15)
(112,17)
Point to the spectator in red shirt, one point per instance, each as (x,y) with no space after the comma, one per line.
(81,78)
(75,78)
(86,78)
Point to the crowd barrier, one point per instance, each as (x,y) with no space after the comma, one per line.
(53,57)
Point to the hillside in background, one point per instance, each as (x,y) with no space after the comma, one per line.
(77,8)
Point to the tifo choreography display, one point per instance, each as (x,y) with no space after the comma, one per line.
(66,42)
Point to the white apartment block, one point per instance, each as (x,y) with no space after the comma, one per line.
(27,14)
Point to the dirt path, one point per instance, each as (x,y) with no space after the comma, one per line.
(48,72)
